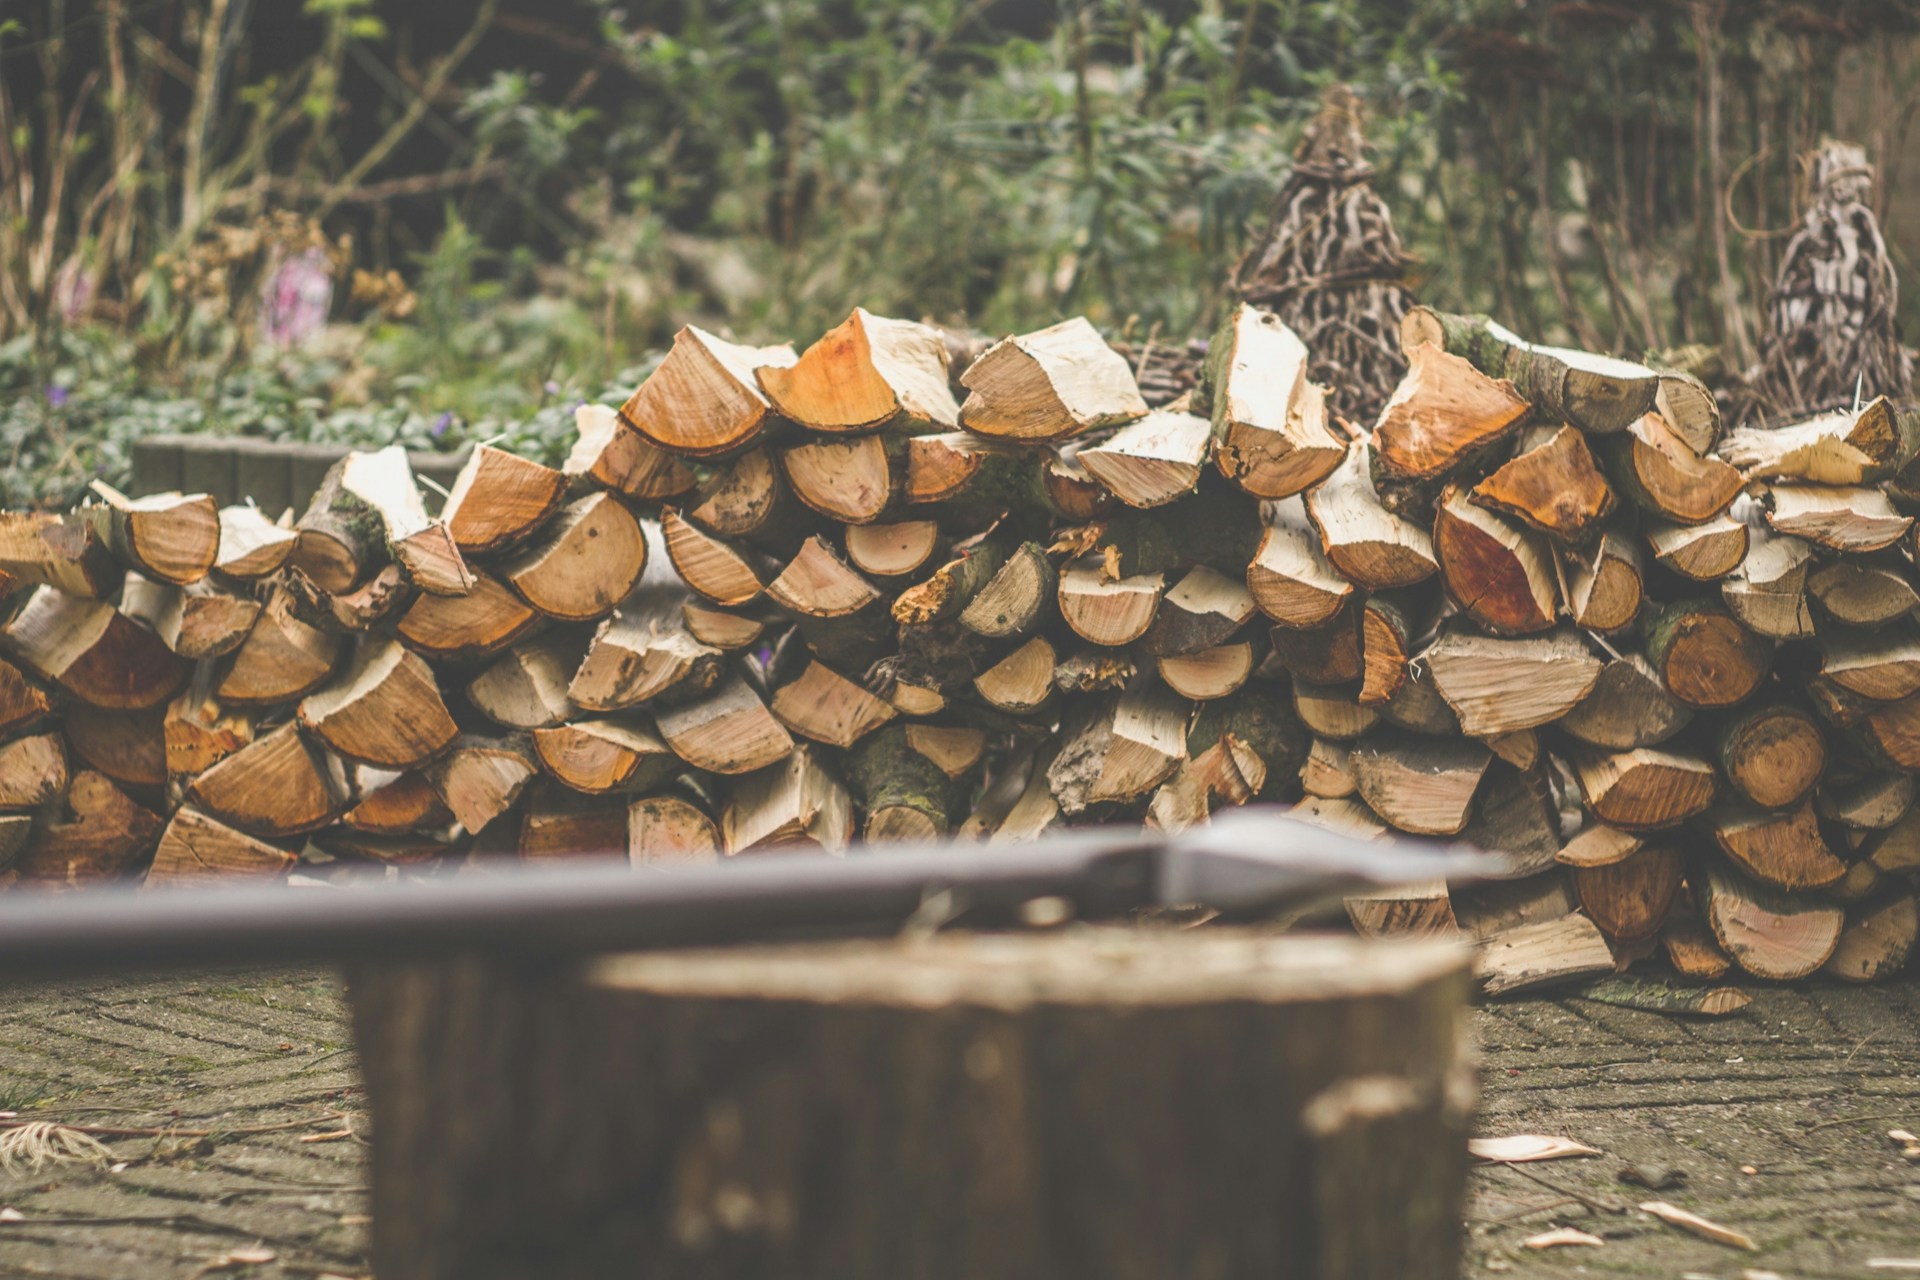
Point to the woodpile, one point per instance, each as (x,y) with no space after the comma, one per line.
(800,598)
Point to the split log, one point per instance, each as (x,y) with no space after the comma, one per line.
(386,595)
(1769,933)
(584,563)
(385,709)
(276,785)
(198,732)
(128,746)
(1555,487)
(1893,729)
(558,823)
(1850,520)
(664,831)
(1629,899)
(98,834)
(1606,587)
(1151,462)
(480,778)
(463,628)
(92,651)
(794,804)
(526,687)
(38,548)
(704,399)
(1417,705)
(846,480)
(1599,845)
(33,771)
(1881,665)
(1536,955)
(196,848)
(746,498)
(1595,393)
(1367,1127)
(1022,682)
(643,653)
(1485,911)
(722,628)
(281,659)
(1369,545)
(1118,749)
(825,706)
(251,546)
(1629,707)
(904,795)
(1330,654)
(1516,815)
(1289,577)
(1500,686)
(611,453)
(499,498)
(1872,803)
(1424,786)
(1057,382)
(1846,447)
(865,374)
(1877,940)
(1783,849)
(22,702)
(1767,592)
(818,584)
(1500,574)
(406,805)
(1328,771)
(1657,471)
(1704,552)
(1248,748)
(1862,593)
(892,550)
(1692,949)
(1647,789)
(170,537)
(728,731)
(377,491)
(1014,599)
(195,622)
(1201,612)
(1443,412)
(723,573)
(1332,712)
(1422,909)
(1346,817)
(979,480)
(1269,423)
(1208,674)
(598,756)
(1103,610)
(1388,633)
(1704,657)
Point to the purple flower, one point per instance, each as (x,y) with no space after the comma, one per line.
(552,387)
(440,425)
(57,396)
(295,298)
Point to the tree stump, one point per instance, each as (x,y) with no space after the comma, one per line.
(1100,1105)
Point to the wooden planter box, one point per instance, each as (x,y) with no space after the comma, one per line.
(275,475)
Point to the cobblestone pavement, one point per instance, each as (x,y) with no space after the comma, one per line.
(252,1075)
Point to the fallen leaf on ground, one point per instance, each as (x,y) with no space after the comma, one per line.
(333,1136)
(12,1215)
(1894,1264)
(1561,1236)
(1674,1215)
(237,1258)
(1520,1148)
(1902,1135)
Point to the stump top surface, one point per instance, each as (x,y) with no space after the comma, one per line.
(1074,967)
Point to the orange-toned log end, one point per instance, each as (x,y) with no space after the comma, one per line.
(1498,573)
(1704,657)
(1555,487)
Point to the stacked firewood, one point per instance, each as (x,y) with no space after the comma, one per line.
(790,598)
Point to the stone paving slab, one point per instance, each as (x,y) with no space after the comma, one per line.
(1801,1089)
